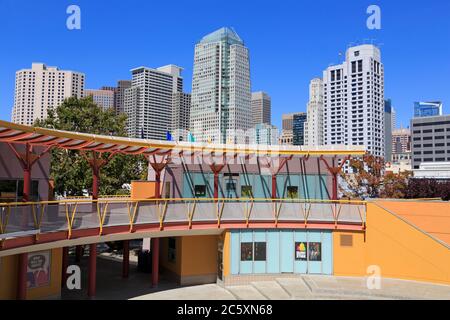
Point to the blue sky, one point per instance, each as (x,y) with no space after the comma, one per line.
(290,42)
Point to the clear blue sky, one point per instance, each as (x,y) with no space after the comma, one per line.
(290,42)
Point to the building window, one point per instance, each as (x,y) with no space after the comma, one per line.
(260,251)
(200,190)
(246,192)
(292,192)
(315,251)
(246,251)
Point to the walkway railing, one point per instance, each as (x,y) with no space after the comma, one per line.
(35,218)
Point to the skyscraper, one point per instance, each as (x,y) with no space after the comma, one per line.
(41,88)
(427,109)
(354,100)
(104,97)
(298,128)
(264,134)
(261,108)
(388,129)
(221,93)
(181,106)
(314,122)
(119,95)
(148,102)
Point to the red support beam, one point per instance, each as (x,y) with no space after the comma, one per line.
(334,171)
(274,186)
(65,264)
(27,160)
(158,167)
(126,258)
(22,277)
(155,261)
(92,287)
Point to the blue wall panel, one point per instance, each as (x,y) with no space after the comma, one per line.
(287,251)
(280,251)
(273,251)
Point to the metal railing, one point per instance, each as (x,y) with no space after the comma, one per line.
(25,218)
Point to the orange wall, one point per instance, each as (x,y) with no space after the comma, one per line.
(199,255)
(142,189)
(400,250)
(8,278)
(226,253)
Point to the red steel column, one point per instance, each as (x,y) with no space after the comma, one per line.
(334,195)
(65,264)
(158,184)
(22,277)
(155,261)
(92,269)
(274,186)
(216,185)
(126,258)
(26,184)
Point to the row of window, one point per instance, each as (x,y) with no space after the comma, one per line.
(303,251)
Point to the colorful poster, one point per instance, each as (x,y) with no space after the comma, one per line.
(300,251)
(315,251)
(38,271)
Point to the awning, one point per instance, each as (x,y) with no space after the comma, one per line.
(22,134)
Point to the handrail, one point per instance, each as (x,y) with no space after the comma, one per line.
(70,215)
(13,204)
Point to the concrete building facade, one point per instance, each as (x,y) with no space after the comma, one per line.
(148,102)
(261,108)
(354,100)
(430,140)
(314,123)
(42,88)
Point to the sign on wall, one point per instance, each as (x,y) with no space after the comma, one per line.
(38,269)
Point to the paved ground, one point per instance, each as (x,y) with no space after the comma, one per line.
(110,285)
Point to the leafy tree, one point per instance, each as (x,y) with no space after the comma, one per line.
(366,179)
(69,168)
(428,188)
(369,180)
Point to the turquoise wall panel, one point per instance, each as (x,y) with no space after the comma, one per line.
(273,251)
(327,252)
(235,252)
(286,251)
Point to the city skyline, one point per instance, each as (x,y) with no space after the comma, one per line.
(285,77)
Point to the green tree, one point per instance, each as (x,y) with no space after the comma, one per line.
(69,168)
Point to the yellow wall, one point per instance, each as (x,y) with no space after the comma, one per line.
(8,278)
(400,250)
(199,255)
(143,189)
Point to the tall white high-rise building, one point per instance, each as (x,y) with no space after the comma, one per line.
(148,102)
(40,88)
(221,93)
(354,100)
(314,122)
(261,108)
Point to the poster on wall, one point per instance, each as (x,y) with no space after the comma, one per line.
(300,251)
(38,269)
(315,251)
